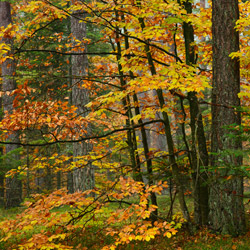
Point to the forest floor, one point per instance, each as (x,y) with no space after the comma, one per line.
(202,239)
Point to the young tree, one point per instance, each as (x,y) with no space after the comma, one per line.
(226,202)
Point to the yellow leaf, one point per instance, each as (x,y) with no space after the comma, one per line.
(29,227)
(138,237)
(63,236)
(168,234)
(33,222)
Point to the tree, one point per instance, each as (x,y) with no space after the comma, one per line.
(83,175)
(226,202)
(198,155)
(13,193)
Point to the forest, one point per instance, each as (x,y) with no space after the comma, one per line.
(124,124)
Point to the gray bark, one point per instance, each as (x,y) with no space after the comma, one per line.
(83,176)
(203,4)
(226,202)
(13,192)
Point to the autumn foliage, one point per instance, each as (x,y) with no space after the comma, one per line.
(141,85)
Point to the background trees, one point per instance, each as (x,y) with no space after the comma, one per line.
(150,66)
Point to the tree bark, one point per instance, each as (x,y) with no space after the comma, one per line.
(83,176)
(13,192)
(226,202)
(203,4)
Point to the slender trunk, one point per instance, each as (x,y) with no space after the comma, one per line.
(48,179)
(226,202)
(199,155)
(69,148)
(59,180)
(2,170)
(133,144)
(2,190)
(169,138)
(28,192)
(70,181)
(174,165)
(149,163)
(40,180)
(131,136)
(13,193)
(137,112)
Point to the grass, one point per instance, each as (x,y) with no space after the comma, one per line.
(9,213)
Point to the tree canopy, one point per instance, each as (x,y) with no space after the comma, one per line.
(110,106)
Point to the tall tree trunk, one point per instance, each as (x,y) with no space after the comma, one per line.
(226,202)
(83,176)
(199,155)
(13,193)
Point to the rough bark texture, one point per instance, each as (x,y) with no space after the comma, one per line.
(83,177)
(13,192)
(226,203)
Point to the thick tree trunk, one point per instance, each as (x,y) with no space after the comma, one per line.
(13,193)
(226,202)
(83,176)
